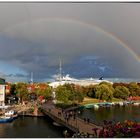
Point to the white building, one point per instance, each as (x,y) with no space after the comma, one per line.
(2,91)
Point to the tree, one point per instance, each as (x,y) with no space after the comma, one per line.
(70,93)
(108,84)
(21,91)
(134,89)
(13,89)
(45,93)
(121,92)
(90,91)
(103,92)
(62,94)
(79,93)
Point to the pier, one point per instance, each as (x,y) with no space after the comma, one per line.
(75,124)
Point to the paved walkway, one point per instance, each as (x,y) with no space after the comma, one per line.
(74,122)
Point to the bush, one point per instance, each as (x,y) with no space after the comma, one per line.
(126,129)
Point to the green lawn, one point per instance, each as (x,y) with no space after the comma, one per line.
(117,100)
(88,100)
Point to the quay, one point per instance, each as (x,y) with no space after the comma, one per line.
(76,125)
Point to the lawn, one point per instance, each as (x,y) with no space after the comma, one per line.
(88,100)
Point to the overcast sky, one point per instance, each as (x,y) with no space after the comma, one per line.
(33,36)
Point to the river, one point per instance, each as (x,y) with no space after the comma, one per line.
(30,127)
(113,113)
(42,127)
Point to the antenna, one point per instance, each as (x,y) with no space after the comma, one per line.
(60,69)
(32,77)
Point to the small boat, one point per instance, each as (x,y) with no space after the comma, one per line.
(95,106)
(56,124)
(121,103)
(8,116)
(11,113)
(5,119)
(136,103)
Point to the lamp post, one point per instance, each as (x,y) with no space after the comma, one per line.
(76,125)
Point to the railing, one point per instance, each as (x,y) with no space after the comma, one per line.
(75,125)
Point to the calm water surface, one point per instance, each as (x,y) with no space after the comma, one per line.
(42,127)
(30,127)
(116,113)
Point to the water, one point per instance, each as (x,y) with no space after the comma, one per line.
(42,127)
(30,127)
(114,113)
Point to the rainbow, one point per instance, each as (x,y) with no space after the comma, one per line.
(112,36)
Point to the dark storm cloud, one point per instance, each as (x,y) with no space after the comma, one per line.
(34,37)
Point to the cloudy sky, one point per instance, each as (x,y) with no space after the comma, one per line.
(92,40)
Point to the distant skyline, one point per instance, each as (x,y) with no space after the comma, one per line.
(92,40)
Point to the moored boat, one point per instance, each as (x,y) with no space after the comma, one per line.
(96,106)
(5,119)
(136,103)
(8,116)
(11,113)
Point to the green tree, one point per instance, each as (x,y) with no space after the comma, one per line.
(108,84)
(134,89)
(70,93)
(90,91)
(13,89)
(21,91)
(62,94)
(79,93)
(121,92)
(103,92)
(45,93)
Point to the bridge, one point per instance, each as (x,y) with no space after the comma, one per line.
(75,124)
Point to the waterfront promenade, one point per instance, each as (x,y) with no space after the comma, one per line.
(74,123)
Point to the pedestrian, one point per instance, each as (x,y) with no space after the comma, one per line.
(87,120)
(84,119)
(74,116)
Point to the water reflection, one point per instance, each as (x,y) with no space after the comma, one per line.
(30,127)
(116,113)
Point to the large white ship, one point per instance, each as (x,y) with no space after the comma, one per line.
(82,82)
(61,80)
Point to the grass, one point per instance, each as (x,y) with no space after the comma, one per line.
(88,100)
(117,100)
(63,105)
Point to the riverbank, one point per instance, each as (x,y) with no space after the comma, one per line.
(115,101)
(88,100)
(29,109)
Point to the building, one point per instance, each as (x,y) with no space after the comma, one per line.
(2,91)
(7,88)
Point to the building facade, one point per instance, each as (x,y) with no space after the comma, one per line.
(2,91)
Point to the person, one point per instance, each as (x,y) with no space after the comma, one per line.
(87,120)
(84,119)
